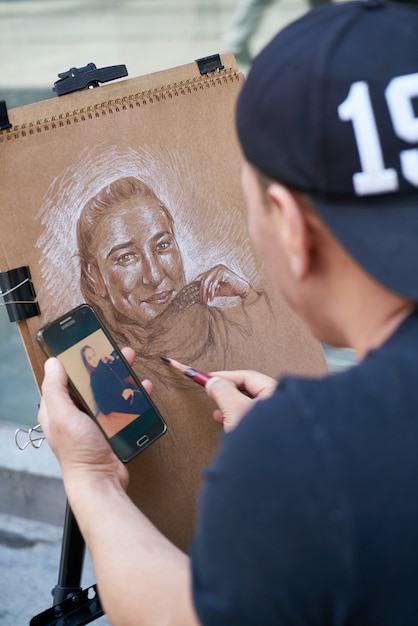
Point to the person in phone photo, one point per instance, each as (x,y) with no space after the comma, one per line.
(112,392)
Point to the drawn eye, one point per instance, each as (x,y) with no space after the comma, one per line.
(125,258)
(163,245)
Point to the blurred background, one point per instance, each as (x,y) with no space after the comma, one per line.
(38,40)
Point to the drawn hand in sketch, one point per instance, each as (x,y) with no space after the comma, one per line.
(220,281)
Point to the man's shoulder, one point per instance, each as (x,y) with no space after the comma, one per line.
(386,377)
(340,413)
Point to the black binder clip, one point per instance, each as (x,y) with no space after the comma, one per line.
(79,78)
(18,293)
(209,64)
(4,118)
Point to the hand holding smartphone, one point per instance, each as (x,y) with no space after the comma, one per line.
(102,381)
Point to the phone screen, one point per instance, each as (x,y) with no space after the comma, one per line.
(102,380)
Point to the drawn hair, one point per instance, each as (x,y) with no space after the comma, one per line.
(101,204)
(94,210)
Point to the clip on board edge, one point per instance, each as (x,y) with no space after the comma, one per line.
(18,293)
(209,64)
(4,118)
(79,78)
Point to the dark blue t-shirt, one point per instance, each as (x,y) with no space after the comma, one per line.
(309,512)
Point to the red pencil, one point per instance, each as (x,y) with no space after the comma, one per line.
(198,377)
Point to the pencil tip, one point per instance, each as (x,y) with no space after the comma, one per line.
(165,358)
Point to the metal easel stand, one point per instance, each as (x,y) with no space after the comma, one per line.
(72,605)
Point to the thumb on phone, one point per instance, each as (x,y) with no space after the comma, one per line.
(232,404)
(54,385)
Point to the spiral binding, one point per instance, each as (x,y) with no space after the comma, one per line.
(124,103)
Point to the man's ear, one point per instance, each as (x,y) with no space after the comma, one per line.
(96,280)
(293,228)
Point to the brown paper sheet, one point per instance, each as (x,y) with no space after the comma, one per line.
(174,131)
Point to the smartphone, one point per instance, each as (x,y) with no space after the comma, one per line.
(102,382)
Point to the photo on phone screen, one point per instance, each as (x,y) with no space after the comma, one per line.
(102,380)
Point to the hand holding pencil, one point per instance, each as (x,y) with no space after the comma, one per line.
(233,391)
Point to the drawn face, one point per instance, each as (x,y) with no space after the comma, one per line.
(91,358)
(140,267)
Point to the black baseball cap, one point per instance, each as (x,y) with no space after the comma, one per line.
(330,108)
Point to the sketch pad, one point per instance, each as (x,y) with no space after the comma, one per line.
(173,130)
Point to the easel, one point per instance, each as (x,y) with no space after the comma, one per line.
(72,605)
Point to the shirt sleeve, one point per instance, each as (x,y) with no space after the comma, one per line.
(271,540)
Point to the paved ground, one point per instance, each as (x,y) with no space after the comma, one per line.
(29,560)
(39,39)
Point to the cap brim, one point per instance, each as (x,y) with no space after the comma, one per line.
(381,234)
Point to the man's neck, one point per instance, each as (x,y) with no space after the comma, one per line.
(372,316)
